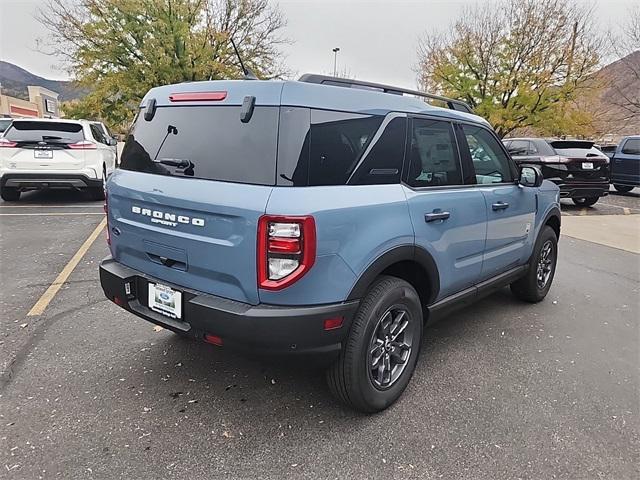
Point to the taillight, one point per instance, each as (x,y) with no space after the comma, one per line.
(286,249)
(83,145)
(106,212)
(7,143)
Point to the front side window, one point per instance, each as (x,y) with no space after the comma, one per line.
(490,162)
(519,147)
(433,155)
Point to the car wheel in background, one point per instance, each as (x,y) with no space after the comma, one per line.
(97,193)
(10,194)
(585,201)
(623,188)
(380,354)
(535,285)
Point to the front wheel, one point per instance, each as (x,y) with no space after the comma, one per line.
(585,201)
(381,351)
(623,188)
(535,285)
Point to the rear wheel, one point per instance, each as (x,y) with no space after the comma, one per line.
(97,193)
(10,194)
(381,351)
(585,201)
(535,285)
(623,188)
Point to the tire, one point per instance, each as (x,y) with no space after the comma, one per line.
(350,378)
(585,202)
(97,193)
(623,188)
(529,288)
(10,194)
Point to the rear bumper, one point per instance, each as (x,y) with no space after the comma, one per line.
(48,180)
(256,329)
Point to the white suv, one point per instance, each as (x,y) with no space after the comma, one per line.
(47,153)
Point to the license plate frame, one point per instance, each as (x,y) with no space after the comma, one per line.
(587,165)
(47,154)
(165,300)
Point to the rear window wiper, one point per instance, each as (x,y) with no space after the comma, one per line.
(174,162)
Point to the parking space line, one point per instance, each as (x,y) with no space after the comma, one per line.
(62,277)
(48,214)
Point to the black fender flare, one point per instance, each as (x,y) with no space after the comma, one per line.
(553,212)
(398,254)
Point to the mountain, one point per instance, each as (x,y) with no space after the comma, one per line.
(14,81)
(617,107)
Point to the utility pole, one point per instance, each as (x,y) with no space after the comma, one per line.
(335,61)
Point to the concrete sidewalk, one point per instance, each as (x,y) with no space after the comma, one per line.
(617,231)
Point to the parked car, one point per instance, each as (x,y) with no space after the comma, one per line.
(45,153)
(625,165)
(304,219)
(4,124)
(576,166)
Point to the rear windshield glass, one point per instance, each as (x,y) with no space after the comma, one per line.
(50,132)
(575,148)
(205,142)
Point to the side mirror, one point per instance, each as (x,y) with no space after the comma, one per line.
(113,142)
(530,177)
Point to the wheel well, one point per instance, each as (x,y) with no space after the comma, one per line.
(554,223)
(413,273)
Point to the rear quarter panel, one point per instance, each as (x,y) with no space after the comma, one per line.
(548,200)
(354,226)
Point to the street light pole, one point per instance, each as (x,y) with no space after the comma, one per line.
(335,61)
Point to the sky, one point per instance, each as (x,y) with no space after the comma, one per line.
(377,38)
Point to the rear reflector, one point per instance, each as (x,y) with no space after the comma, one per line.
(83,145)
(213,339)
(333,323)
(119,301)
(198,96)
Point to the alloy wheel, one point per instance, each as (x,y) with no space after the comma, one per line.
(545,264)
(390,347)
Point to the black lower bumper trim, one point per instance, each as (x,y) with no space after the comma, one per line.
(583,190)
(258,329)
(44,180)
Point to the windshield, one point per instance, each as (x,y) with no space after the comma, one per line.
(50,132)
(205,142)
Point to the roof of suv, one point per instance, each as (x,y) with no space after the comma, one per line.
(302,94)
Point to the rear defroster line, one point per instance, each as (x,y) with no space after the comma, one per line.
(62,277)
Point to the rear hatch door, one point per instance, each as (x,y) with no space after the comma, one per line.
(193,182)
(44,145)
(584,162)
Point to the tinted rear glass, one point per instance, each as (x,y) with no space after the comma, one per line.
(56,132)
(575,148)
(205,142)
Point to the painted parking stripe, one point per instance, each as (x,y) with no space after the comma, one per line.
(49,214)
(62,277)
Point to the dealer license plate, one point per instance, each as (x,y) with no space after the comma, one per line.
(43,154)
(587,165)
(165,300)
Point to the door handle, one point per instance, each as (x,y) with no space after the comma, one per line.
(500,206)
(432,217)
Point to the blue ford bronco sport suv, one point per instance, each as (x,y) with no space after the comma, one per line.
(303,217)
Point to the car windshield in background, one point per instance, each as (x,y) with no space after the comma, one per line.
(575,148)
(205,142)
(4,124)
(50,132)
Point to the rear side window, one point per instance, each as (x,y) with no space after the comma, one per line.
(205,142)
(632,146)
(338,140)
(521,147)
(433,158)
(383,162)
(490,162)
(50,132)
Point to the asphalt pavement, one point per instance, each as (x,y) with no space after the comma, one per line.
(503,389)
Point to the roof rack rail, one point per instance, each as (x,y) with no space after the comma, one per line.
(450,103)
